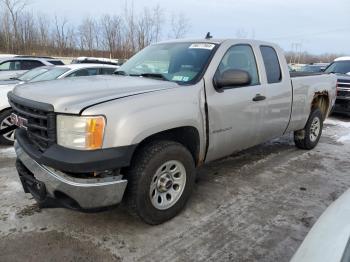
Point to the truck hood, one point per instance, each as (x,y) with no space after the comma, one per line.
(72,95)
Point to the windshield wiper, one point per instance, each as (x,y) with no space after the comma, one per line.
(154,75)
(122,73)
(15,78)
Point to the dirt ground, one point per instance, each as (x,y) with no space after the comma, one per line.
(257,205)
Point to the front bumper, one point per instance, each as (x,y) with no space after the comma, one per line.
(45,182)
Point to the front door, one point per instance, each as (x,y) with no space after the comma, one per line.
(235,115)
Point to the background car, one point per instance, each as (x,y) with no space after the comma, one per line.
(341,67)
(99,60)
(314,68)
(329,239)
(13,67)
(43,74)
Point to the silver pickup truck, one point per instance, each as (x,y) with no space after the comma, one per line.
(83,143)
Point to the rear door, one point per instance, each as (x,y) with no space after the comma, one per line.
(234,117)
(278,94)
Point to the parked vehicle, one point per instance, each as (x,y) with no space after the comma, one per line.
(171,108)
(14,67)
(329,239)
(341,67)
(99,60)
(44,73)
(314,68)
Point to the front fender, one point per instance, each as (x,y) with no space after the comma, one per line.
(131,120)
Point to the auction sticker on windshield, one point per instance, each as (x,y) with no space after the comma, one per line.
(202,46)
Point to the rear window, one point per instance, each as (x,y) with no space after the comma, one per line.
(272,65)
(56,62)
(30,64)
(107,71)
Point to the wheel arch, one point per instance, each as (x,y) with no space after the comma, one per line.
(188,136)
(321,101)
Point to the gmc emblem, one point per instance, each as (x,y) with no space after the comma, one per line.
(19,121)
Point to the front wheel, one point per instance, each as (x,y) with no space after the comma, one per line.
(160,181)
(308,137)
(5,121)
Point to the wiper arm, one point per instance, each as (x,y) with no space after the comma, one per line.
(122,73)
(15,78)
(155,75)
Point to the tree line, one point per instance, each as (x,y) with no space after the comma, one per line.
(23,31)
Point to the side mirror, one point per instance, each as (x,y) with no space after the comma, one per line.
(232,78)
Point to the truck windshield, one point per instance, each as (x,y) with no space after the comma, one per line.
(339,67)
(178,62)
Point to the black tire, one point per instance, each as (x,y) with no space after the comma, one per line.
(144,166)
(3,115)
(302,138)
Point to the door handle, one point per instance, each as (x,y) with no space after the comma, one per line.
(259,97)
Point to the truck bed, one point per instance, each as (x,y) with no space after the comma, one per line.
(305,86)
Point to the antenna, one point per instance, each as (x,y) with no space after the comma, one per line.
(208,36)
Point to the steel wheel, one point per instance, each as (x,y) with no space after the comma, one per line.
(315,129)
(6,122)
(167,184)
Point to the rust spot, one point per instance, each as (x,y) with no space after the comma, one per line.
(321,101)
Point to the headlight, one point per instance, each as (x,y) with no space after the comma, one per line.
(80,132)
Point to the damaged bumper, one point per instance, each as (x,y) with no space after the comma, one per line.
(78,193)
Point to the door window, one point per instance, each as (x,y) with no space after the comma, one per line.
(240,57)
(107,71)
(10,65)
(85,72)
(30,64)
(272,65)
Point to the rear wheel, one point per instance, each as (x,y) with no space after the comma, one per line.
(308,137)
(160,181)
(5,121)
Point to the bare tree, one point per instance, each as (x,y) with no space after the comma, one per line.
(43,25)
(64,36)
(111,33)
(22,31)
(15,8)
(179,25)
(148,27)
(87,32)
(6,33)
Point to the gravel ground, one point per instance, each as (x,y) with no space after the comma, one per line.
(256,205)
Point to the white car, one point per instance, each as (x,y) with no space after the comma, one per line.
(99,60)
(16,66)
(43,74)
(329,239)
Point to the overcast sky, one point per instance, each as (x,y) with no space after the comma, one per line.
(320,26)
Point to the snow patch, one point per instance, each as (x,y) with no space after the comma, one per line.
(345,138)
(14,186)
(336,122)
(7,151)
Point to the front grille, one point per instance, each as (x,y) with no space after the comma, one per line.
(343,93)
(41,125)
